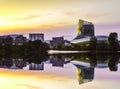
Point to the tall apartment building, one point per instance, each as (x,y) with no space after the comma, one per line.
(36,36)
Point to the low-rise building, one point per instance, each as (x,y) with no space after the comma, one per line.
(67,43)
(18,39)
(56,41)
(36,36)
(56,62)
(6,40)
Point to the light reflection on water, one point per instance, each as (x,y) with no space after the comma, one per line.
(80,71)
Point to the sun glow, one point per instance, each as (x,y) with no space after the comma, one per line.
(10,79)
(4,22)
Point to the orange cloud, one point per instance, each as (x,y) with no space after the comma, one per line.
(70,12)
(91,15)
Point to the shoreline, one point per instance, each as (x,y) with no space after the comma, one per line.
(75,51)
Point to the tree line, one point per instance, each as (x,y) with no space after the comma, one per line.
(111,45)
(32,50)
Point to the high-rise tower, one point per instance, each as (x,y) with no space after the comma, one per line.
(85,29)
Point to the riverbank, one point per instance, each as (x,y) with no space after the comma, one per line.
(71,51)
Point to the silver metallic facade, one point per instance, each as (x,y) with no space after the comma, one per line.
(85,32)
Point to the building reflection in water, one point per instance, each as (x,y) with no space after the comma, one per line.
(85,64)
(6,63)
(33,66)
(85,73)
(56,62)
(12,64)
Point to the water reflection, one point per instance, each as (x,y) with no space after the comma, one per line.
(85,63)
(113,62)
(85,73)
(12,63)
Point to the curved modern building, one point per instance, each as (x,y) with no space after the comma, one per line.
(100,38)
(85,32)
(81,40)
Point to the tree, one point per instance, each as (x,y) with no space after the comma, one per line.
(113,41)
(113,62)
(93,43)
(102,46)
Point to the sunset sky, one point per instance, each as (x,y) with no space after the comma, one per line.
(58,17)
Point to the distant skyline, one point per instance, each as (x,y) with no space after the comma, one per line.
(58,17)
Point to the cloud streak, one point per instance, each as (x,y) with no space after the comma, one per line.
(91,15)
(70,12)
(29,17)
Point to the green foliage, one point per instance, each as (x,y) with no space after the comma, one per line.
(59,47)
(93,43)
(113,62)
(77,46)
(113,41)
(29,51)
(102,46)
(35,51)
(71,47)
(7,50)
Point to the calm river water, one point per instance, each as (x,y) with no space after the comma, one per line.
(62,71)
